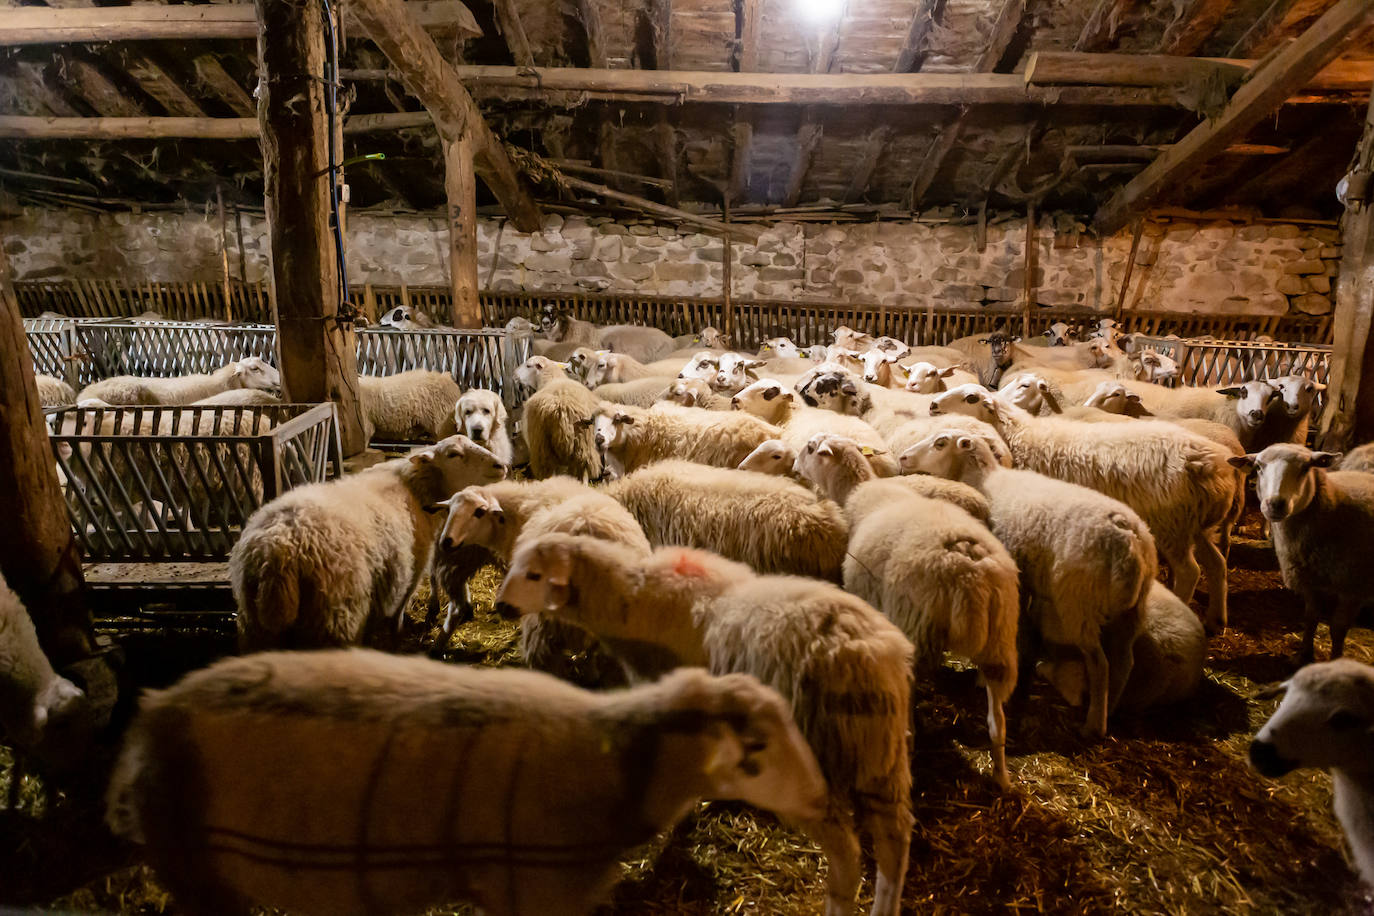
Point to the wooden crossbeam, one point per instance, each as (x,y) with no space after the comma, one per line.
(661,21)
(1070,68)
(16,127)
(218,81)
(1265,91)
(433,81)
(100,92)
(29,25)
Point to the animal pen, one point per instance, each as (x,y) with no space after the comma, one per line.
(186,186)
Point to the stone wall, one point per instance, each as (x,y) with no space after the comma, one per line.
(1182,266)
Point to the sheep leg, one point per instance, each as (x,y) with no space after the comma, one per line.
(1347,609)
(997,736)
(1214,568)
(1096,662)
(890,829)
(839,843)
(1311,600)
(1184,567)
(1118,644)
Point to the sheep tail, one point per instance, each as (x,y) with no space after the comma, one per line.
(277,601)
(968,622)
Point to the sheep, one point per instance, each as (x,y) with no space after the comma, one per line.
(1168,657)
(481,416)
(1245,408)
(53,392)
(405,318)
(643,392)
(318,564)
(581,362)
(615,367)
(1177,481)
(239,397)
(938,574)
(734,371)
(564,328)
(844,669)
(989,356)
(1086,560)
(774,524)
(768,400)
(1288,415)
(694,392)
(703,365)
(847,338)
(1358,459)
(1324,721)
(1059,334)
(631,437)
(927,378)
(409,405)
(780,348)
(641,343)
(708,337)
(558,431)
(1322,524)
(250,372)
(773,457)
(287,780)
(39,709)
(538,371)
(1152,366)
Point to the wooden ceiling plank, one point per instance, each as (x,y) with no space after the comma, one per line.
(1071,68)
(100,92)
(811,131)
(120,128)
(32,83)
(513,30)
(661,19)
(219,82)
(1268,87)
(153,79)
(1193,25)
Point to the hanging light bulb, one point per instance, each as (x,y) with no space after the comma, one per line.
(820,12)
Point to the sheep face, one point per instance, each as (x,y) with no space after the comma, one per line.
(1325,720)
(878,365)
(1253,400)
(927,378)
(767,399)
(831,463)
(611,429)
(834,389)
(945,453)
(1029,392)
(1058,334)
(773,456)
(780,347)
(711,338)
(461,462)
(256,372)
(539,580)
(1156,367)
(1285,477)
(734,372)
(969,400)
(702,365)
(582,362)
(480,413)
(395,318)
(473,517)
(1299,393)
(1114,397)
(687,392)
(847,338)
(999,343)
(606,368)
(533,370)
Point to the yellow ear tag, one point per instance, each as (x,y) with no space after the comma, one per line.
(867,451)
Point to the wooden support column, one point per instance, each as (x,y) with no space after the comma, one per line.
(1349,416)
(38,552)
(460,184)
(316,346)
(742,128)
(1032,261)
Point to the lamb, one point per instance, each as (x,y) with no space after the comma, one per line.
(631,437)
(1086,560)
(768,400)
(239,397)
(615,367)
(38,708)
(644,392)
(774,524)
(939,575)
(1360,458)
(246,777)
(644,344)
(409,405)
(844,669)
(1324,721)
(1177,481)
(1168,657)
(773,457)
(558,431)
(250,372)
(318,564)
(694,392)
(482,417)
(734,371)
(1322,524)
(53,392)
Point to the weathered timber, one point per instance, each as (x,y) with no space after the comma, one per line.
(460,186)
(1193,25)
(38,128)
(513,30)
(747,233)
(218,81)
(1073,68)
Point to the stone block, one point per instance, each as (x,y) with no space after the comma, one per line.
(575,234)
(1326,234)
(642,230)
(714,254)
(590,268)
(1330,251)
(756,259)
(607,248)
(777,274)
(1307,243)
(692,272)
(642,257)
(581,249)
(651,241)
(1313,304)
(945,274)
(1304,266)
(696,240)
(965,292)
(614,229)
(1292,286)
(554,263)
(664,232)
(541,242)
(1182,232)
(1253,233)
(631,271)
(1002,294)
(1320,283)
(849,276)
(1285,231)
(784,259)
(553,222)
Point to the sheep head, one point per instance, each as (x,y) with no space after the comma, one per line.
(687,392)
(256,372)
(969,400)
(734,371)
(999,343)
(768,399)
(1285,477)
(834,389)
(1116,398)
(834,465)
(927,378)
(1325,720)
(702,365)
(953,454)
(458,462)
(473,517)
(1299,393)
(1030,392)
(1254,400)
(773,456)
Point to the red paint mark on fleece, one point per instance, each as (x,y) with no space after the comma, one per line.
(688,565)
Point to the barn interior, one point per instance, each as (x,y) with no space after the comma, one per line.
(375,186)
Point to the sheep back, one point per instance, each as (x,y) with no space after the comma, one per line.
(557,443)
(409,405)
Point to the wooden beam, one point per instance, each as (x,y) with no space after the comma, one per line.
(742,128)
(581,168)
(100,92)
(38,128)
(315,344)
(30,25)
(30,82)
(460,186)
(1102,23)
(1253,102)
(433,81)
(513,30)
(748,233)
(153,79)
(1193,25)
(38,552)
(1073,68)
(1265,28)
(1349,416)
(1282,176)
(223,86)
(810,132)
(661,22)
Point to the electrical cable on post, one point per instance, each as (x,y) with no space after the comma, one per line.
(331,81)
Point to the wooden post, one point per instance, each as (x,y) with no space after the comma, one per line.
(1032,261)
(726,282)
(1349,416)
(38,552)
(460,184)
(316,349)
(224,255)
(1130,268)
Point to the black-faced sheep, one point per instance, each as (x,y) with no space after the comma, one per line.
(251,372)
(843,667)
(317,565)
(307,781)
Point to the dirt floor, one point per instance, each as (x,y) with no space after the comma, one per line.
(1164,816)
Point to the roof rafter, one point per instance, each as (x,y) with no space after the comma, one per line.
(1194,24)
(811,130)
(513,31)
(223,86)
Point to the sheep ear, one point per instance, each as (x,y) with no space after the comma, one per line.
(1276,690)
(238,369)
(754,363)
(1234,391)
(625,418)
(584,422)
(1322,459)
(947,371)
(1318,386)
(1016,339)
(1243,462)
(435,508)
(825,449)
(558,565)
(425,457)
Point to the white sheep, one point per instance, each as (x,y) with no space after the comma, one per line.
(641,343)
(773,457)
(844,669)
(630,437)
(318,564)
(938,574)
(642,392)
(780,348)
(301,780)
(581,362)
(615,367)
(36,704)
(53,392)
(538,371)
(1177,481)
(771,402)
(405,318)
(1324,721)
(734,371)
(1246,408)
(708,336)
(558,431)
(847,338)
(250,372)
(694,392)
(1168,657)
(927,378)
(481,416)
(1289,414)
(1360,458)
(774,524)
(1086,560)
(239,397)
(1323,525)
(703,365)
(1059,334)
(1149,365)
(409,405)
